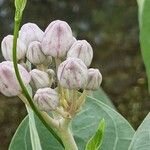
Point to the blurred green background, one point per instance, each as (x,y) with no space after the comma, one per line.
(111,26)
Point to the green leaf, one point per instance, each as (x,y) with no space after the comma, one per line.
(101,95)
(141,139)
(21,136)
(118,132)
(35,141)
(144,17)
(96,141)
(22,139)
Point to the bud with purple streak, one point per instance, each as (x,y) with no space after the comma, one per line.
(94,79)
(35,54)
(46,99)
(72,74)
(40,79)
(57,39)
(7,45)
(81,49)
(9,85)
(30,32)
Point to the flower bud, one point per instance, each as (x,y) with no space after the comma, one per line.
(40,79)
(72,74)
(81,49)
(35,54)
(9,85)
(57,39)
(94,79)
(46,99)
(7,46)
(30,32)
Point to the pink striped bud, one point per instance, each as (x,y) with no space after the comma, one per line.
(30,32)
(57,39)
(40,79)
(35,54)
(46,99)
(7,46)
(81,49)
(94,79)
(72,74)
(9,85)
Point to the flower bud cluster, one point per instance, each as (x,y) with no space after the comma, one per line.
(43,50)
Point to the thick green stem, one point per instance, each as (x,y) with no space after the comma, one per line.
(25,92)
(67,136)
(68,140)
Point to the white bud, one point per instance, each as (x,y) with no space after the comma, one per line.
(40,79)
(94,79)
(46,99)
(35,54)
(81,49)
(30,32)
(7,46)
(9,85)
(57,39)
(72,74)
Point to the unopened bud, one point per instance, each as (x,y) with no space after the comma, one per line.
(57,39)
(7,46)
(72,74)
(94,79)
(40,79)
(9,85)
(46,99)
(30,32)
(35,54)
(81,49)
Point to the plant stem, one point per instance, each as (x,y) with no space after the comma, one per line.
(67,136)
(27,95)
(68,140)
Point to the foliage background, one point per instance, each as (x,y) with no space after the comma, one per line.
(112,29)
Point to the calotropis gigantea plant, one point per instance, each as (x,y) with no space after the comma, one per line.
(56,88)
(49,71)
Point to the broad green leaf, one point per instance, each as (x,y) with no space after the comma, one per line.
(101,95)
(141,138)
(35,140)
(118,132)
(144,17)
(96,141)
(20,138)
(117,136)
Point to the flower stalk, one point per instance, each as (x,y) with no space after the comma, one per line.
(18,18)
(66,134)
